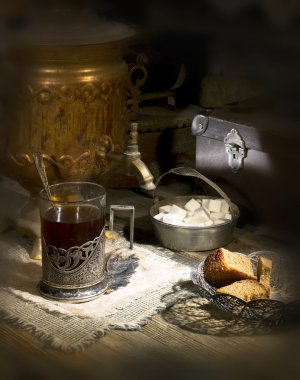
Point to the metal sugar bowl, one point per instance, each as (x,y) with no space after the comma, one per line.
(187,238)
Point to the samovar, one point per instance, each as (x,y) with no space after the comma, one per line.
(70,104)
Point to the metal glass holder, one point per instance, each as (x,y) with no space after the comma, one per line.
(122,208)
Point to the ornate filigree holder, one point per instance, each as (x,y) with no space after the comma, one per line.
(73,242)
(79,271)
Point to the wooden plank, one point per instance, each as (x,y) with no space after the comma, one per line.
(187,343)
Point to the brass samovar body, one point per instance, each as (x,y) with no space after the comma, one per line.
(71,106)
(69,103)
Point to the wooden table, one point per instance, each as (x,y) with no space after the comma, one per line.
(160,349)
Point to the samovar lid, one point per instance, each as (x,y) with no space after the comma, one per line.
(68,26)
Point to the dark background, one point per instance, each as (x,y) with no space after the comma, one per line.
(248,48)
(252,41)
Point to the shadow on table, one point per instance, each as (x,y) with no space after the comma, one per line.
(120,268)
(196,314)
(143,232)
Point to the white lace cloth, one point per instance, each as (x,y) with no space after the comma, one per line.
(73,327)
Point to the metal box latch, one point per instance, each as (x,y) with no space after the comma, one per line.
(236,150)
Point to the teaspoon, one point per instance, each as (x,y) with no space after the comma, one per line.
(39,164)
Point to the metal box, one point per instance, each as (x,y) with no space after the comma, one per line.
(255,162)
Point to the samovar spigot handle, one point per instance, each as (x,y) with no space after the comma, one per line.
(133,163)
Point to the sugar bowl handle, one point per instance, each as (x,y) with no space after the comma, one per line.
(191,172)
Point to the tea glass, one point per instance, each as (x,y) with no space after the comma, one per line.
(73,241)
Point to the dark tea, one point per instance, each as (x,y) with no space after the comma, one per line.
(71,225)
(73,242)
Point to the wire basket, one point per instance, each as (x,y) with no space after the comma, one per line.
(274,309)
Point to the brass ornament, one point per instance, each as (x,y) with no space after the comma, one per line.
(86,92)
(137,77)
(74,114)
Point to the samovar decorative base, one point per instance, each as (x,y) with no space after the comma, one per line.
(74,295)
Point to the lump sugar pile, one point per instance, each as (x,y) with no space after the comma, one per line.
(196,213)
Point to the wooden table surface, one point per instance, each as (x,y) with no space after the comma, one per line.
(161,349)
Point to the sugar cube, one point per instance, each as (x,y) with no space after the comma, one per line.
(178,211)
(196,213)
(205,203)
(189,213)
(224,207)
(228,216)
(165,208)
(206,210)
(201,212)
(194,221)
(192,205)
(159,216)
(172,219)
(219,221)
(214,205)
(216,215)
